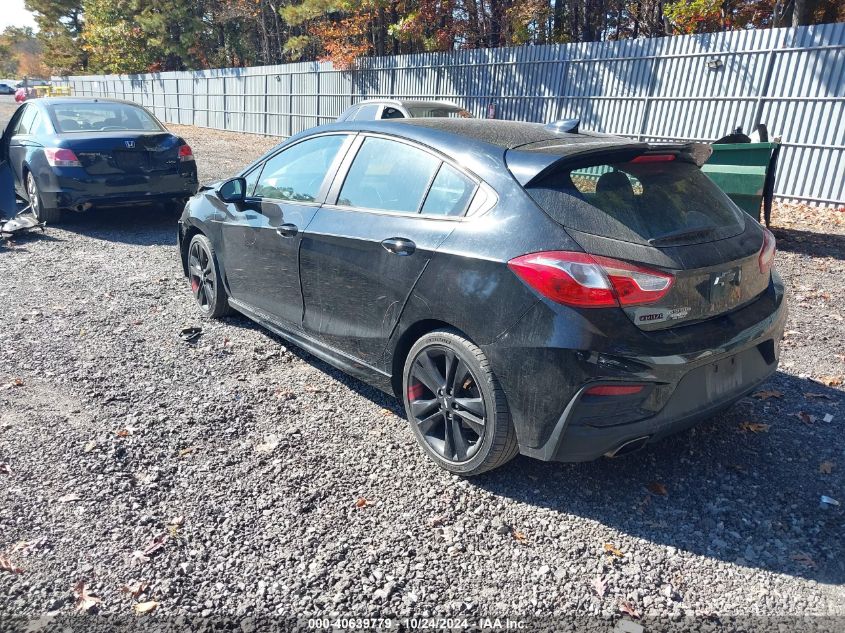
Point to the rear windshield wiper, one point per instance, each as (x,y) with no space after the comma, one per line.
(680,235)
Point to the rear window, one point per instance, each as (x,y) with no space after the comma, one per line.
(103,117)
(438,111)
(659,203)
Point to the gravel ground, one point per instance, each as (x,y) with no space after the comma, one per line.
(263,483)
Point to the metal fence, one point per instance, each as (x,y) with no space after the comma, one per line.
(696,87)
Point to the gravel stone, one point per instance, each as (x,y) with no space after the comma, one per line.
(91,316)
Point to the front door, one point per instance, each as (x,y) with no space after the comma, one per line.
(261,236)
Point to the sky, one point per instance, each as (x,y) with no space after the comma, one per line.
(14,14)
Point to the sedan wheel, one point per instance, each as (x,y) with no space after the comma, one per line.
(204,275)
(41,213)
(454,405)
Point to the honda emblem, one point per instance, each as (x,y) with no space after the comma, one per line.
(130,144)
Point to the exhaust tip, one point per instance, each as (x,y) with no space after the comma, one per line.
(631,446)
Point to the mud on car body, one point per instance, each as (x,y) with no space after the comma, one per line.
(520,288)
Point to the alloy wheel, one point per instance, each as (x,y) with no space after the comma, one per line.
(446,404)
(32,194)
(202,277)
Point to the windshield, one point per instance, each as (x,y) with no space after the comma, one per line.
(438,111)
(665,202)
(103,117)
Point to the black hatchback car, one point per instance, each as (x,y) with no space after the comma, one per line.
(74,153)
(521,289)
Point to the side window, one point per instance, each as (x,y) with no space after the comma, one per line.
(297,173)
(252,179)
(39,125)
(388,176)
(449,194)
(391,113)
(25,122)
(367,112)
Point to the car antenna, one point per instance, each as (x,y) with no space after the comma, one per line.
(567,126)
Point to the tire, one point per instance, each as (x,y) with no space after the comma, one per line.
(204,277)
(458,403)
(41,213)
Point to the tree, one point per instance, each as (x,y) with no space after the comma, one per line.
(59,30)
(113,41)
(20,53)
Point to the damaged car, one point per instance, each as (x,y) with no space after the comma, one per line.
(75,153)
(521,288)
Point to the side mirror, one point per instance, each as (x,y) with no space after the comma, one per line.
(233,190)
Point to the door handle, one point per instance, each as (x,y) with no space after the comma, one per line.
(399,245)
(287,230)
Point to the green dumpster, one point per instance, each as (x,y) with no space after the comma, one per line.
(745,171)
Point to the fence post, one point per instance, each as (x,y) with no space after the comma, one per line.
(266,127)
(647,103)
(290,104)
(318,92)
(763,92)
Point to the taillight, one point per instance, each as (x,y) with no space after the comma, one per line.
(185,153)
(61,157)
(590,281)
(767,252)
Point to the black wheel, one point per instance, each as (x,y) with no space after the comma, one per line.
(204,275)
(41,213)
(455,406)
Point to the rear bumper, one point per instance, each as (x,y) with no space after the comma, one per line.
(546,367)
(66,188)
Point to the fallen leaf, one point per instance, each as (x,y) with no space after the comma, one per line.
(386,413)
(599,584)
(155,544)
(145,607)
(17,382)
(825,468)
(765,395)
(187,451)
(71,496)
(754,427)
(123,433)
(362,502)
(85,601)
(7,565)
(519,536)
(832,381)
(804,559)
(610,548)
(805,417)
(658,488)
(626,607)
(820,396)
(135,589)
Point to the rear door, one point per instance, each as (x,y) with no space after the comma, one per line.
(392,205)
(663,212)
(261,236)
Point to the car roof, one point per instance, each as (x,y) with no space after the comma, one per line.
(411,102)
(72,100)
(506,135)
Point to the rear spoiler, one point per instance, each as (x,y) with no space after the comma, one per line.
(528,165)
